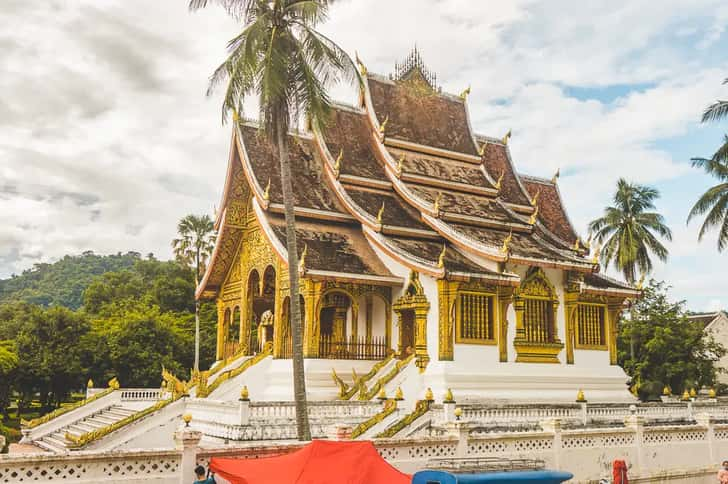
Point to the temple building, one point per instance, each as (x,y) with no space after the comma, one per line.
(417,237)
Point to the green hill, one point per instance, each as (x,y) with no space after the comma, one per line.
(63,282)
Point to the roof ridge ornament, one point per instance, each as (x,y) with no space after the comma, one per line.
(380,214)
(441,258)
(337,163)
(577,244)
(464,94)
(506,243)
(400,165)
(534,216)
(506,138)
(302,260)
(266,193)
(534,200)
(414,68)
(436,205)
(499,182)
(481,150)
(556,176)
(383,126)
(597,253)
(362,67)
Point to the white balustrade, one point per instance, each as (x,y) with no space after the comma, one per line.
(141,394)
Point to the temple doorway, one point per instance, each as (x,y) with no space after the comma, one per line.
(335,325)
(261,297)
(406,333)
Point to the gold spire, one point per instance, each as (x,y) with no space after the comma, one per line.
(693,393)
(499,182)
(506,243)
(428,395)
(481,150)
(577,244)
(441,259)
(362,67)
(534,200)
(534,216)
(244,394)
(266,193)
(448,397)
(90,383)
(399,395)
(382,394)
(383,126)
(506,137)
(337,163)
(711,393)
(187,418)
(597,254)
(380,215)
(666,391)
(580,398)
(686,395)
(556,175)
(464,94)
(400,164)
(302,261)
(438,199)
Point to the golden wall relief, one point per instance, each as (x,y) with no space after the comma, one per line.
(536,305)
(411,310)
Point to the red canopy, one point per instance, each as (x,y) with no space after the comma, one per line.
(320,462)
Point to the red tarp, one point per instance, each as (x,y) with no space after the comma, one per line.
(320,462)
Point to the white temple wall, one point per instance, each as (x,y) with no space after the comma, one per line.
(379,318)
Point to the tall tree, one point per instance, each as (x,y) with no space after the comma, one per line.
(714,201)
(282,60)
(194,247)
(629,232)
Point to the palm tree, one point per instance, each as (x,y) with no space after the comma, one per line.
(714,201)
(193,248)
(629,233)
(285,63)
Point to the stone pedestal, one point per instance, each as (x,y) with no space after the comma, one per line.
(187,440)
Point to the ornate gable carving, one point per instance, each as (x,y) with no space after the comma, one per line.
(536,284)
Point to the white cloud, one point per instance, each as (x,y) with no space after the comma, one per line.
(106,139)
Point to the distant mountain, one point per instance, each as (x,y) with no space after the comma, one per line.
(63,282)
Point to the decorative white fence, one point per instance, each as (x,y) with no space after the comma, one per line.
(682,453)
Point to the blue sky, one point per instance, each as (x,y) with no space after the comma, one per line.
(107,139)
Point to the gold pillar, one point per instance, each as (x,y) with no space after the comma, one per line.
(368,314)
(614,309)
(354,321)
(339,333)
(421,356)
(571,310)
(245,311)
(505,298)
(278,332)
(446,292)
(519,305)
(220,350)
(311,327)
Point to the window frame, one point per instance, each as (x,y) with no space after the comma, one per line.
(603,329)
(492,318)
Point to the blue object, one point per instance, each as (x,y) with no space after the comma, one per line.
(520,477)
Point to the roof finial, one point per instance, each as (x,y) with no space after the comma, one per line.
(380,215)
(499,182)
(506,137)
(534,216)
(302,261)
(534,200)
(337,163)
(597,253)
(400,164)
(556,176)
(577,244)
(506,243)
(266,193)
(362,67)
(441,259)
(438,198)
(481,150)
(464,94)
(383,126)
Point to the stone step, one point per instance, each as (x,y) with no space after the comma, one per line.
(49,446)
(99,421)
(80,428)
(119,412)
(59,442)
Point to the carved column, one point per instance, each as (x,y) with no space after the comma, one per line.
(614,310)
(220,350)
(519,306)
(244,320)
(505,298)
(446,293)
(311,296)
(355,321)
(278,323)
(570,312)
(368,314)
(421,336)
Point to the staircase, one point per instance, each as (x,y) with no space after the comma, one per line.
(56,442)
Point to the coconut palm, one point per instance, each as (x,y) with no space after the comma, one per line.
(629,233)
(283,61)
(714,201)
(193,248)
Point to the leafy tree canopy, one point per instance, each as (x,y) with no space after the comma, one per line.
(669,349)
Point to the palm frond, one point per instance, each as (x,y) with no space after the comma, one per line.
(716,111)
(711,197)
(716,216)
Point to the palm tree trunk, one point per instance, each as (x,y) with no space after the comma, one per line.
(299,380)
(197,315)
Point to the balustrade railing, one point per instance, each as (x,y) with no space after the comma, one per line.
(353,349)
(141,394)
